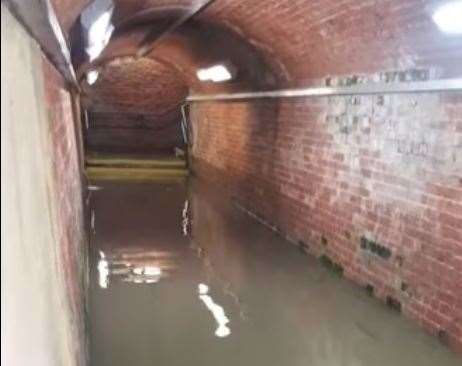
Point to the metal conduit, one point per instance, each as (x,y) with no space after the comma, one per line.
(431,86)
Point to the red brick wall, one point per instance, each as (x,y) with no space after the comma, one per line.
(374,183)
(134,107)
(313,38)
(133,133)
(66,197)
(337,172)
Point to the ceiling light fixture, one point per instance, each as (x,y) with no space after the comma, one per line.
(217,73)
(99,34)
(448,17)
(92,76)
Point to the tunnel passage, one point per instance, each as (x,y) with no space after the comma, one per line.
(331,173)
(133,107)
(353,154)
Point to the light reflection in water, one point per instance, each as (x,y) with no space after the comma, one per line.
(143,267)
(217,311)
(103,271)
(185,222)
(212,273)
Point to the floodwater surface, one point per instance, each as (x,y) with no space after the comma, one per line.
(182,277)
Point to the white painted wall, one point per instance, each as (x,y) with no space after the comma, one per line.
(36,320)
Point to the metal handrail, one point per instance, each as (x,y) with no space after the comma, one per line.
(431,86)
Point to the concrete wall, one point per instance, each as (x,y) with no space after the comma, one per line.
(43,251)
(372,184)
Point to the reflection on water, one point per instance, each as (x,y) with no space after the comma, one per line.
(217,311)
(140,267)
(94,188)
(103,271)
(185,223)
(212,273)
(224,290)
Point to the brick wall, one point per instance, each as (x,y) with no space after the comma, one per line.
(312,38)
(370,184)
(134,133)
(67,198)
(374,183)
(44,281)
(134,107)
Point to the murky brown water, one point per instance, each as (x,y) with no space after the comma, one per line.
(182,277)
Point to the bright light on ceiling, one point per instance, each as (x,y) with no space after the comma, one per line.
(99,34)
(92,76)
(448,17)
(216,73)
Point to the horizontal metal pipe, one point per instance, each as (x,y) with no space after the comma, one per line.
(432,86)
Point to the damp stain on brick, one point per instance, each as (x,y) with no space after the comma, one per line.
(404,286)
(331,265)
(369,289)
(375,248)
(324,240)
(443,336)
(303,247)
(393,303)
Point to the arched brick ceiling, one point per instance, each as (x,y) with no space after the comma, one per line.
(126,10)
(302,40)
(315,38)
(159,82)
(274,44)
(309,36)
(142,86)
(134,107)
(198,45)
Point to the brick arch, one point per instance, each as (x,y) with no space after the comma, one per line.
(309,39)
(172,66)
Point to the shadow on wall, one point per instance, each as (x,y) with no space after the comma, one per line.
(253,133)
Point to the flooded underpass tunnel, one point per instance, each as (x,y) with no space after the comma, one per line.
(231,182)
(182,276)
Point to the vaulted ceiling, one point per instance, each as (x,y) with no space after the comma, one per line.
(151,61)
(302,39)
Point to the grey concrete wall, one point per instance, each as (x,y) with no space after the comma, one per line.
(43,270)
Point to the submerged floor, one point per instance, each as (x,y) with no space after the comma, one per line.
(182,277)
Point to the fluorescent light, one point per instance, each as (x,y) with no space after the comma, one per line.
(216,73)
(448,17)
(92,76)
(99,34)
